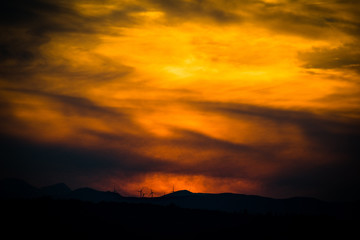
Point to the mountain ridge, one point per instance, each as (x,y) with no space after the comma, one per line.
(226,202)
(58,189)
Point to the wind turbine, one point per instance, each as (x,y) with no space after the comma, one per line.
(151,193)
(141,193)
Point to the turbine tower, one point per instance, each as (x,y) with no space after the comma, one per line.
(141,193)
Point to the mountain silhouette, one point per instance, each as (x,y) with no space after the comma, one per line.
(225,202)
(58,190)
(231,202)
(57,212)
(180,193)
(88,194)
(17,188)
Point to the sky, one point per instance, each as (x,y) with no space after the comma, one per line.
(254,96)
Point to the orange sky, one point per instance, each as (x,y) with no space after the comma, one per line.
(256,97)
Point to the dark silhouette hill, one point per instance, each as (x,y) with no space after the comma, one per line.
(46,218)
(57,212)
(180,193)
(16,188)
(58,190)
(225,202)
(88,194)
(254,204)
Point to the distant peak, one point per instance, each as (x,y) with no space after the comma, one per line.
(180,193)
(56,189)
(183,191)
(17,188)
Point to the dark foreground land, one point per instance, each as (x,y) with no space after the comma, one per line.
(46,218)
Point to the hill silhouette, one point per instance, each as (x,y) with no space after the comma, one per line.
(226,202)
(88,194)
(57,212)
(17,188)
(59,189)
(180,193)
(46,218)
(254,204)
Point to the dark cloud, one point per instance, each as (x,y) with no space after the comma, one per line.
(224,159)
(44,163)
(40,17)
(293,23)
(197,10)
(343,57)
(27,25)
(21,12)
(72,105)
(67,107)
(349,96)
(330,172)
(338,181)
(315,19)
(308,19)
(113,155)
(190,147)
(333,150)
(324,131)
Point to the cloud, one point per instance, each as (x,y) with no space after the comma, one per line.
(197,10)
(321,128)
(71,139)
(29,25)
(277,168)
(72,105)
(41,17)
(324,166)
(337,181)
(47,117)
(315,19)
(44,163)
(345,57)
